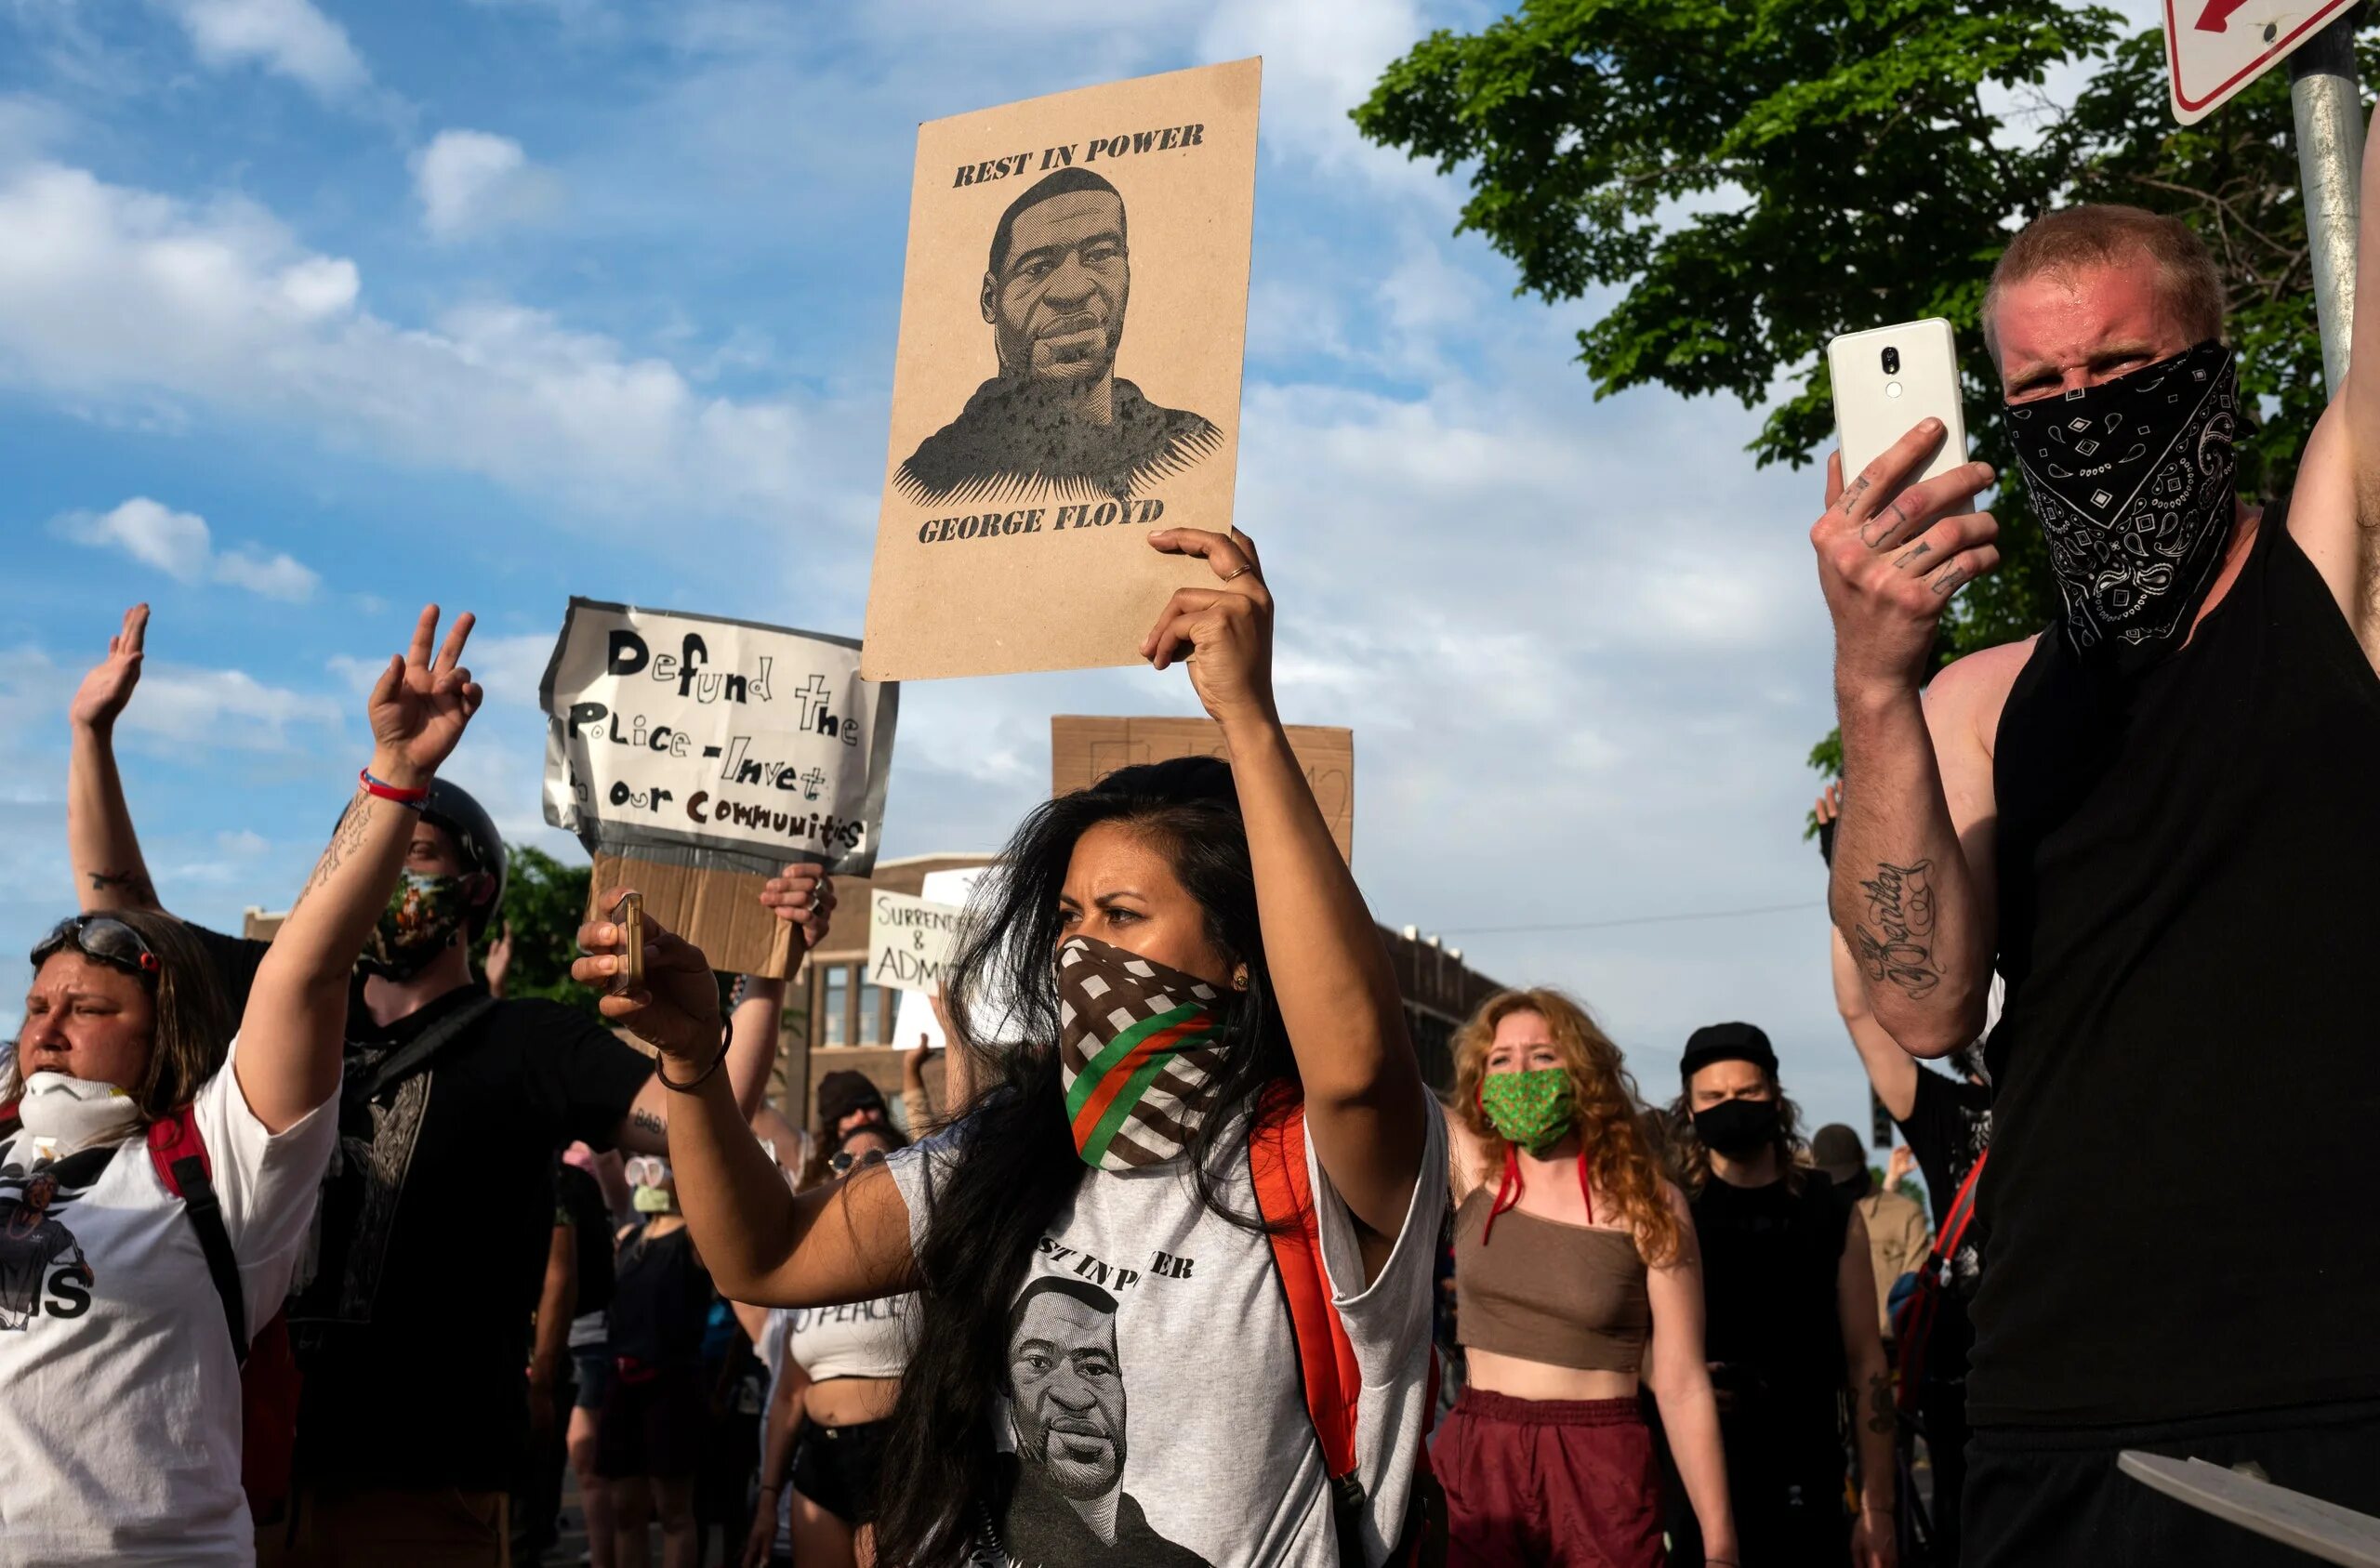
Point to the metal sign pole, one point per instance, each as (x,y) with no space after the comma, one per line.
(2325,90)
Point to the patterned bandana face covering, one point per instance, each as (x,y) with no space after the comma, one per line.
(425,911)
(2132,480)
(1139,1046)
(1531,1108)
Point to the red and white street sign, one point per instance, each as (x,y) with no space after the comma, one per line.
(2215,47)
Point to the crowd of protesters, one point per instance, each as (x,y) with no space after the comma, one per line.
(325,1252)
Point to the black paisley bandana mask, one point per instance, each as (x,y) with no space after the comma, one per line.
(2131,480)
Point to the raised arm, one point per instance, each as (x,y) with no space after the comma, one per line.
(290,1034)
(1366,1106)
(847,1240)
(1913,898)
(109,872)
(557,1304)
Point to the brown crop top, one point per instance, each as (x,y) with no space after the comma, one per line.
(1565,1295)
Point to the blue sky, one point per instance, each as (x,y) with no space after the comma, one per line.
(310,312)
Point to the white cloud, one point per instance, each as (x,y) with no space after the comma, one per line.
(181,545)
(113,294)
(288,37)
(227,709)
(470,181)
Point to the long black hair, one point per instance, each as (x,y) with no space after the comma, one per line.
(1014,1166)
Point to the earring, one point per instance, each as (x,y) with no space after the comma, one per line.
(1239,978)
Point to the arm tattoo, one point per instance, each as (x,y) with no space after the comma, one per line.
(648,1121)
(1880,1404)
(345,839)
(130,882)
(1901,904)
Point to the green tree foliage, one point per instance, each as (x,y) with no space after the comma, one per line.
(545,902)
(1755,176)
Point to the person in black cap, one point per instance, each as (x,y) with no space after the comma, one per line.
(1790,1298)
(436,1226)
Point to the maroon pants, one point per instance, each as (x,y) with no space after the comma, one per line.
(1548,1484)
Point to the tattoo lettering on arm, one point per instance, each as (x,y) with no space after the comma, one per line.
(1880,1404)
(648,1121)
(345,839)
(1901,905)
(130,882)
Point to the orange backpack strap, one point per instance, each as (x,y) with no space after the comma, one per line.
(1326,1358)
(179,1155)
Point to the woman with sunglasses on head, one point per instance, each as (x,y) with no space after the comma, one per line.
(1107,1362)
(119,1391)
(1578,1282)
(835,1376)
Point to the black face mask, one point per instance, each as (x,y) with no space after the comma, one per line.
(2131,480)
(1737,1127)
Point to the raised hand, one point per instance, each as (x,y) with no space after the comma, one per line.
(499,961)
(1890,557)
(803,895)
(108,687)
(1225,632)
(677,1009)
(1897,1169)
(419,705)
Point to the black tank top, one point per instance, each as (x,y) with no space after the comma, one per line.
(2187,1075)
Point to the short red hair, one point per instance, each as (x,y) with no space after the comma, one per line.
(2102,234)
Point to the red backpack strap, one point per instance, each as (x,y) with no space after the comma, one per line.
(1285,1198)
(179,1155)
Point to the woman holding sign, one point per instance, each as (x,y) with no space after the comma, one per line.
(1174,1266)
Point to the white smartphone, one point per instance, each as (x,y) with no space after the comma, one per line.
(1888,379)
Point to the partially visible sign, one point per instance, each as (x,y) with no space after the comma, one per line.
(914,1023)
(717,744)
(2213,48)
(1085,750)
(909,940)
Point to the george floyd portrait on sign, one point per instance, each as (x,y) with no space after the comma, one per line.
(1073,309)
(1055,419)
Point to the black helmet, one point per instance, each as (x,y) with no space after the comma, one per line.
(465,821)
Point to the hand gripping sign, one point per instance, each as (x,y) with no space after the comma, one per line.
(705,754)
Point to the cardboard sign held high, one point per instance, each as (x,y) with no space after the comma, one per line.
(1067,382)
(694,757)
(1085,750)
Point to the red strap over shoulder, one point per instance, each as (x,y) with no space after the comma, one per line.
(1285,1197)
(173,1138)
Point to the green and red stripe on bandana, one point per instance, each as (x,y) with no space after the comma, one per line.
(1139,1050)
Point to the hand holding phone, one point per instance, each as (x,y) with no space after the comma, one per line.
(628,916)
(1888,379)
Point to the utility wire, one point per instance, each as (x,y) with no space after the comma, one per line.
(1632,920)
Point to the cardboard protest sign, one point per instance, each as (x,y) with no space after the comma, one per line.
(695,755)
(909,940)
(1084,750)
(1072,319)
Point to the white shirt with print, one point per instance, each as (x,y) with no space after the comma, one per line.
(1198,1364)
(119,1389)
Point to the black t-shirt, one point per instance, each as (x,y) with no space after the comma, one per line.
(1771,1262)
(579,1203)
(662,1301)
(419,1381)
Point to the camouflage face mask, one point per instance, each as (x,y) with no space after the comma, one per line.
(424,912)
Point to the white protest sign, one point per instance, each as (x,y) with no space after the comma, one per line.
(713,744)
(909,940)
(913,1019)
(2213,48)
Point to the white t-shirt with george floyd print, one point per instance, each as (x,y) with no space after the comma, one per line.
(119,1389)
(1159,1418)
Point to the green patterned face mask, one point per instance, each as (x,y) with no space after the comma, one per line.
(1532,1109)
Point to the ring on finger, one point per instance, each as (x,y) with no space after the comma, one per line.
(1241,570)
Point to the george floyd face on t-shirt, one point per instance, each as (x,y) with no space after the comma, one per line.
(1068,1413)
